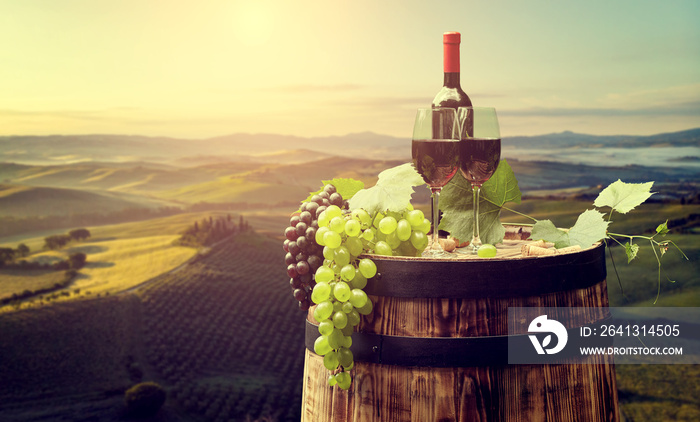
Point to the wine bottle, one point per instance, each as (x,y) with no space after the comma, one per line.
(451,94)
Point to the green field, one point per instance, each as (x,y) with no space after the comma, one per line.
(119,257)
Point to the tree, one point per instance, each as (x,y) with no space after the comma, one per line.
(79,234)
(77,260)
(22,250)
(6,255)
(56,241)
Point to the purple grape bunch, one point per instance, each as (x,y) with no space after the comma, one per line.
(304,256)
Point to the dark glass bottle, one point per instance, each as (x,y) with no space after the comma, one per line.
(451,94)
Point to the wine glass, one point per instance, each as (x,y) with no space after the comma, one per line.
(479,154)
(435,150)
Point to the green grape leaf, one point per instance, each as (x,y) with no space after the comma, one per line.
(590,228)
(502,187)
(631,251)
(662,228)
(547,231)
(346,187)
(392,191)
(623,197)
(456,201)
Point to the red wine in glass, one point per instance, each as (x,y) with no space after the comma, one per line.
(437,160)
(479,158)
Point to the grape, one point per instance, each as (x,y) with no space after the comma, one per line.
(352,228)
(343,379)
(331,380)
(323,311)
(319,235)
(365,310)
(323,219)
(332,239)
(347,273)
(419,240)
(336,338)
(321,292)
(403,230)
(303,243)
(358,298)
(329,189)
(342,291)
(333,211)
(345,357)
(341,256)
(487,251)
(377,219)
(382,248)
(289,259)
(415,218)
(325,328)
(336,199)
(305,217)
(353,318)
(294,220)
(301,228)
(362,216)
(302,267)
(328,253)
(324,274)
(294,248)
(330,360)
(340,319)
(354,245)
(387,225)
(347,307)
(321,346)
(393,240)
(290,233)
(299,294)
(425,226)
(314,262)
(367,267)
(292,270)
(359,282)
(337,224)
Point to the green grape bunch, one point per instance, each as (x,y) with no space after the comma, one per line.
(346,238)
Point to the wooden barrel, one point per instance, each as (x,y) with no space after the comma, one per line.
(433,348)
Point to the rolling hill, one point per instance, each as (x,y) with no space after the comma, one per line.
(265,148)
(30,201)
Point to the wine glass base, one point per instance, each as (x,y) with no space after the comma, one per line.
(434,253)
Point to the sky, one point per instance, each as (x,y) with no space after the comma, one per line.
(206,68)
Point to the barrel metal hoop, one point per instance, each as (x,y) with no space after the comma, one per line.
(492,278)
(437,352)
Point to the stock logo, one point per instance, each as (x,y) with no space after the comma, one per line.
(543,325)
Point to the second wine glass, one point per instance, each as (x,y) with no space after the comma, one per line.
(479,154)
(435,152)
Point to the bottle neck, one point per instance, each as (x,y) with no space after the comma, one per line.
(451,80)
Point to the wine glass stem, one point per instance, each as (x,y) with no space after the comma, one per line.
(476,241)
(435,195)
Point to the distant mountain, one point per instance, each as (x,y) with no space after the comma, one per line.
(689,138)
(282,149)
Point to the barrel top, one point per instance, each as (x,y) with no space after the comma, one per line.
(508,274)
